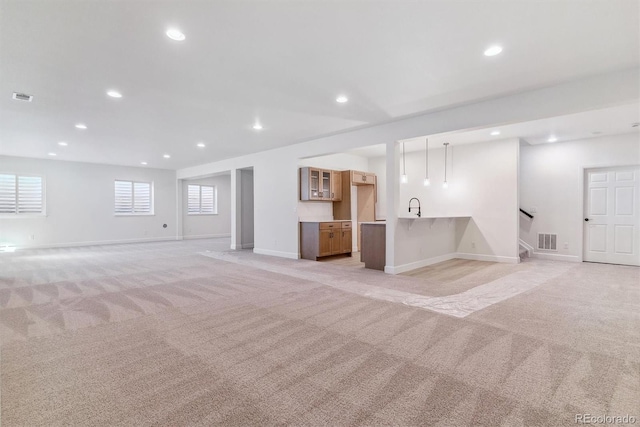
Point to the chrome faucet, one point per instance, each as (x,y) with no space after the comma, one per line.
(418,200)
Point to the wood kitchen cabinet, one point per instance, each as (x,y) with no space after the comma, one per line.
(362,178)
(320,184)
(320,239)
(336,186)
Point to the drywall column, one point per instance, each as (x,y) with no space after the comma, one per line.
(393,192)
(246,209)
(179,230)
(236,209)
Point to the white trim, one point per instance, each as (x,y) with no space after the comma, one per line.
(583,198)
(205,236)
(22,216)
(98,243)
(43,200)
(290,255)
(555,257)
(527,246)
(242,246)
(152,198)
(489,258)
(418,264)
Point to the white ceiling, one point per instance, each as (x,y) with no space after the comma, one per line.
(281,62)
(589,124)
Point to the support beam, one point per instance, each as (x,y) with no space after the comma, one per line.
(236,209)
(393,194)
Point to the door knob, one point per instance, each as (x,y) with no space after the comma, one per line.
(586,219)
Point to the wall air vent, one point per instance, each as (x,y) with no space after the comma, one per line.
(22,97)
(547,241)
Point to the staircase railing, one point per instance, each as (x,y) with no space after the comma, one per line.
(526,213)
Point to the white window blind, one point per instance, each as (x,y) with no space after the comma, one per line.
(133,197)
(21,194)
(202,199)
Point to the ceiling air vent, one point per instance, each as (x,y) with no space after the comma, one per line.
(547,241)
(22,97)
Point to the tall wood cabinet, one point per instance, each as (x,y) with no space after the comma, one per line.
(319,239)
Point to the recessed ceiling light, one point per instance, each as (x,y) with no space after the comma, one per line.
(166,156)
(257,126)
(114,94)
(200,144)
(495,133)
(53,154)
(596,133)
(143,163)
(552,138)
(81,126)
(342,99)
(175,34)
(493,51)
(62,143)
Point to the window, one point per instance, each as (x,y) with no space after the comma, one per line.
(21,194)
(203,200)
(133,198)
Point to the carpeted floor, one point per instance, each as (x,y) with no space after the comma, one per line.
(170,334)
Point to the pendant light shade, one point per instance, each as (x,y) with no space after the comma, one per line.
(404,178)
(426,163)
(445,184)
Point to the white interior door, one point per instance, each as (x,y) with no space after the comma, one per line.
(612,216)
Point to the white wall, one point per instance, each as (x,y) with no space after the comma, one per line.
(247,209)
(483,184)
(551,183)
(275,171)
(80,205)
(203,226)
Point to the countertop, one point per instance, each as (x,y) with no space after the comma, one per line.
(415,217)
(374,223)
(326,220)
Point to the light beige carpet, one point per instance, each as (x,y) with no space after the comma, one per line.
(155,334)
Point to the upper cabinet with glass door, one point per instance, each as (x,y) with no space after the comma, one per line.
(318,184)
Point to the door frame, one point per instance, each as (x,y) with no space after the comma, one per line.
(583,198)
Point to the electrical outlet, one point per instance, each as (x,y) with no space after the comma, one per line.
(33,237)
(566,245)
(473,245)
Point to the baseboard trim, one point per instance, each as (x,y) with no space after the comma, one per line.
(206,236)
(100,242)
(556,257)
(489,258)
(418,264)
(290,255)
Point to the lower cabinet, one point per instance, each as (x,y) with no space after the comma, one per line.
(319,239)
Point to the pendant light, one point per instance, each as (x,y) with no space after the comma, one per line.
(404,178)
(426,163)
(445,184)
